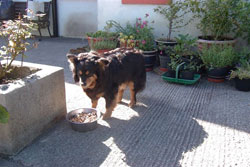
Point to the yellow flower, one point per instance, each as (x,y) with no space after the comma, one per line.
(131,37)
(122,40)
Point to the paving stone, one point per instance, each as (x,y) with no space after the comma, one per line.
(206,124)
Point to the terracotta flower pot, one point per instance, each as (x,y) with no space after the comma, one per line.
(206,42)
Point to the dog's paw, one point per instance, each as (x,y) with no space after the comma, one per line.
(131,104)
(106,116)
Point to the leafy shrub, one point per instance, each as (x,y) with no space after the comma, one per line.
(174,13)
(104,44)
(219,18)
(102,34)
(17,32)
(138,35)
(242,72)
(218,57)
(185,45)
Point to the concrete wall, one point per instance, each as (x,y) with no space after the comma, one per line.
(76,17)
(115,10)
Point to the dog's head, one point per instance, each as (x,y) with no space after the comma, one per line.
(87,68)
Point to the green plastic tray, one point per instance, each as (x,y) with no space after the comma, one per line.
(178,80)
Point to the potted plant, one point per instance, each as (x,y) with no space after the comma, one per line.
(127,35)
(172,67)
(241,76)
(104,45)
(184,53)
(186,48)
(32,95)
(164,53)
(174,13)
(218,61)
(140,36)
(221,22)
(146,42)
(102,41)
(189,69)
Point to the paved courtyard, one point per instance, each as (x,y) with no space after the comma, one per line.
(206,124)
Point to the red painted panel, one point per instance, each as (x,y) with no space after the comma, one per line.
(156,2)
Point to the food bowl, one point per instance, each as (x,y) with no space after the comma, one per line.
(77,124)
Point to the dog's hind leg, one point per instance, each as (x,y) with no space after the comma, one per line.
(132,94)
(120,94)
(122,87)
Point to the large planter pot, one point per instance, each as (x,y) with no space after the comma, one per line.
(34,104)
(218,74)
(242,85)
(149,58)
(165,42)
(206,42)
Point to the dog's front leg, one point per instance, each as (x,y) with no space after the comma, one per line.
(94,102)
(110,105)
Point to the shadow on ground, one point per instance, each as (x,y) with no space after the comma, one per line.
(154,133)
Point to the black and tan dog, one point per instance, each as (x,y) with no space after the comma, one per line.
(108,75)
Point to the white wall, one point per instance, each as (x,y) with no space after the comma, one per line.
(115,10)
(76,17)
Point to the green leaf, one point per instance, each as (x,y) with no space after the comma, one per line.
(4,115)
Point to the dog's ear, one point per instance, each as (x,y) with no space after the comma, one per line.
(72,59)
(102,62)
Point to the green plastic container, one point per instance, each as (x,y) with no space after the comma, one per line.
(178,80)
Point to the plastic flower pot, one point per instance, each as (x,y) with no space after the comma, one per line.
(149,58)
(189,75)
(218,74)
(164,61)
(242,84)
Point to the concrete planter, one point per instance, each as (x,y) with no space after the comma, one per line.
(34,104)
